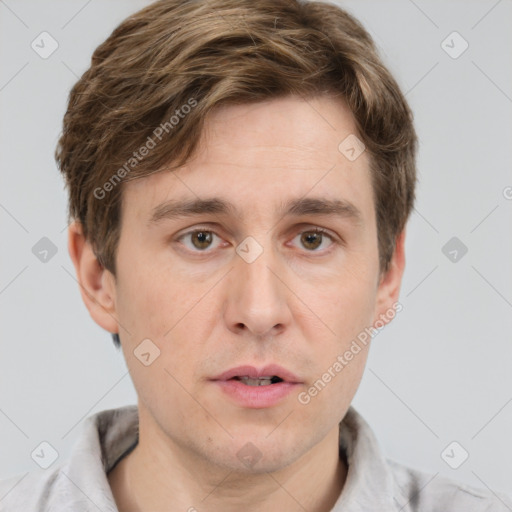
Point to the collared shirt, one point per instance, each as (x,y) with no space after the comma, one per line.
(373,483)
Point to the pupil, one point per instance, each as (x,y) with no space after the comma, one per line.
(203,238)
(312,238)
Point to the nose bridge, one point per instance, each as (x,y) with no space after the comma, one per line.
(257,272)
(257,265)
(258,297)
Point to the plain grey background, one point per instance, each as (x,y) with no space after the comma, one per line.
(440,372)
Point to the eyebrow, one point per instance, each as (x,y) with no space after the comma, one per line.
(177,209)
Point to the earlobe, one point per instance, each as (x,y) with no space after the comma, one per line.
(389,285)
(97,284)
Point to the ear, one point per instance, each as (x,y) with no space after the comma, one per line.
(389,285)
(97,284)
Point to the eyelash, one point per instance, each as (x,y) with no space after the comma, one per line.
(322,231)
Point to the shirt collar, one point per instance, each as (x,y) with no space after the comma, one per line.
(110,434)
(369,484)
(105,438)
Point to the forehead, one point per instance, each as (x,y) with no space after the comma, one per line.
(299,132)
(262,155)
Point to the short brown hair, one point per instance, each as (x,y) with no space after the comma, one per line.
(202,54)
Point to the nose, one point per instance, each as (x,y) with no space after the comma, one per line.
(257,301)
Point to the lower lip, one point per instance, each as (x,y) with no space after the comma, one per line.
(256,397)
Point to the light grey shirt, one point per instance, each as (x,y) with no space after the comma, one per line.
(373,482)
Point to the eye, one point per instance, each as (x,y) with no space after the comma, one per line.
(313,238)
(203,240)
(200,239)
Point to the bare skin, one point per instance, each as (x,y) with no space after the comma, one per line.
(299,304)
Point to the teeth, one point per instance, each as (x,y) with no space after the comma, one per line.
(262,381)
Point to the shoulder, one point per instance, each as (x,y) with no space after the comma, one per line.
(54,491)
(417,491)
(376,482)
(79,482)
(28,491)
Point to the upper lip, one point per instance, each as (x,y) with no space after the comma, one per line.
(269,370)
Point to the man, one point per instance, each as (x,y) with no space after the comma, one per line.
(240,176)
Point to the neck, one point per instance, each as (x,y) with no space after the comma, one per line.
(147,480)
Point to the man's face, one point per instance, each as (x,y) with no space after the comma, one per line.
(211,300)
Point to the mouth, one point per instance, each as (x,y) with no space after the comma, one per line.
(251,376)
(262,381)
(257,388)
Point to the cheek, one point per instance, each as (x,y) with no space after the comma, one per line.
(344,304)
(168,312)
(150,301)
(333,386)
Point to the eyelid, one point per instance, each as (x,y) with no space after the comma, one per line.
(195,230)
(303,228)
(335,240)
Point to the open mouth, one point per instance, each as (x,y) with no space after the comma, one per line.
(257,388)
(261,381)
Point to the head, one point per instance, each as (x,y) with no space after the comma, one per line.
(202,149)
